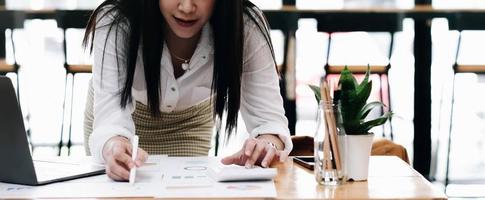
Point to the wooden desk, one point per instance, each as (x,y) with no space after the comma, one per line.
(389,178)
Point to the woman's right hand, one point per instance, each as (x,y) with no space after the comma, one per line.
(117,155)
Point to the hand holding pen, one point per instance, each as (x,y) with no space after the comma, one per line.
(117,153)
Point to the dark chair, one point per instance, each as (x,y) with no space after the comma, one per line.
(303,146)
(67,19)
(461,22)
(9,20)
(384,22)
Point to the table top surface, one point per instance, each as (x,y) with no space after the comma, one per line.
(389,178)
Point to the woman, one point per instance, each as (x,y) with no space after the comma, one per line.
(166,69)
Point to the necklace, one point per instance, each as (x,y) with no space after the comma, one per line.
(185,64)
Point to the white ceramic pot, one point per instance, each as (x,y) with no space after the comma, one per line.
(357,150)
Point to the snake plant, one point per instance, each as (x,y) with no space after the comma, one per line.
(354,108)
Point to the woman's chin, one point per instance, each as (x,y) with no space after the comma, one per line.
(185,34)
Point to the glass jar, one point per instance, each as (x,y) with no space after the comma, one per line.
(329,143)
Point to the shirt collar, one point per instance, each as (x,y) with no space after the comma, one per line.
(204,48)
(206,38)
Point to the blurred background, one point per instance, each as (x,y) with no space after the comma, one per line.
(39,54)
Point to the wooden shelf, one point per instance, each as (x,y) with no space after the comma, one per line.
(470,68)
(5,67)
(333,69)
(81,68)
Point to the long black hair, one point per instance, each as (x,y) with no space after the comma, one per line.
(145,23)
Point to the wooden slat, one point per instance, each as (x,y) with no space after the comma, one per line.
(363,9)
(287,8)
(79,68)
(380,9)
(41,11)
(470,69)
(5,67)
(335,69)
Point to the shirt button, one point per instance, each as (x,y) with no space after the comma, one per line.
(173,89)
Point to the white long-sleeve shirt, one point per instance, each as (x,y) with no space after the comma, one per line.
(261,103)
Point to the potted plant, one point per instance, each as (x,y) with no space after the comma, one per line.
(354,110)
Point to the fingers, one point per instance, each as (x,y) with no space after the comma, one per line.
(257,152)
(141,157)
(249,146)
(229,160)
(119,165)
(117,171)
(118,160)
(283,155)
(113,176)
(236,158)
(121,154)
(268,158)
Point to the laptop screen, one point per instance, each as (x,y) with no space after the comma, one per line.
(17,166)
(14,148)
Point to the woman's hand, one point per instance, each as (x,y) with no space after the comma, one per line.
(117,155)
(258,151)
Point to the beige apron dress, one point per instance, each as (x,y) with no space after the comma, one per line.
(179,133)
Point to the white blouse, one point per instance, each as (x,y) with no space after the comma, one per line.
(261,103)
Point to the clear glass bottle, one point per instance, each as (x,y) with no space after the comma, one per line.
(329,145)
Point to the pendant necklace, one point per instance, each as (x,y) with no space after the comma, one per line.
(185,62)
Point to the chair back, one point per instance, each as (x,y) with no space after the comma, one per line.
(67,19)
(382,22)
(467,21)
(461,22)
(9,20)
(390,22)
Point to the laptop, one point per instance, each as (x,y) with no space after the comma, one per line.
(17,165)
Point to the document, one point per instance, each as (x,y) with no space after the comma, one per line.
(160,177)
(147,185)
(186,177)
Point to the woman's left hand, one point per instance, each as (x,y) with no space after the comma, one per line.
(256,151)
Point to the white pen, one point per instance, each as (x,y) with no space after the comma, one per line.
(134,151)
